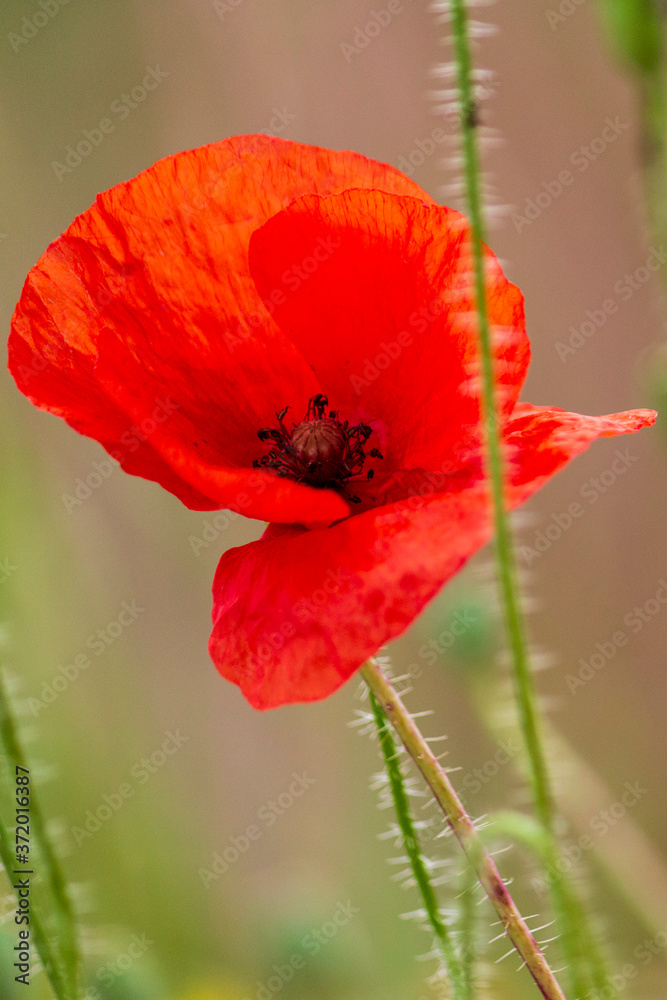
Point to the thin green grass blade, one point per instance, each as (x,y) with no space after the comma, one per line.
(61,966)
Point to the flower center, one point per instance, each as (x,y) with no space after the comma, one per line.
(321,451)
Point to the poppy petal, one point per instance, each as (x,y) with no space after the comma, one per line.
(542,439)
(383,308)
(296,613)
(156,272)
(184,446)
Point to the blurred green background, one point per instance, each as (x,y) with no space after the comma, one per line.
(159,921)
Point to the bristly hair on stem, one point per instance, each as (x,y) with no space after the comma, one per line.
(463,828)
(414,852)
(581,969)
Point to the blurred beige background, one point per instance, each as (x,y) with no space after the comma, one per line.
(282,66)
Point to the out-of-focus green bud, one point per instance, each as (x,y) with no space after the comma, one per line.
(460,633)
(313,946)
(636,30)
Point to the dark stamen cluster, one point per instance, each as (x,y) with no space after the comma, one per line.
(321,451)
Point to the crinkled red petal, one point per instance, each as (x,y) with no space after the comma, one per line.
(153,282)
(296,613)
(186,451)
(382,306)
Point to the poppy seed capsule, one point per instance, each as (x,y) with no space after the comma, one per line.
(320,451)
(320,445)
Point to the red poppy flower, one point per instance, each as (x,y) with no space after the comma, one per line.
(289,332)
